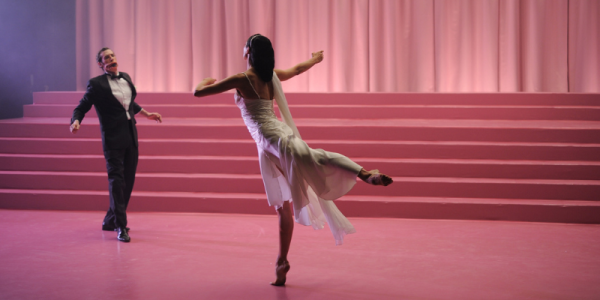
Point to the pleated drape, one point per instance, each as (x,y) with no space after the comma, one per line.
(370,45)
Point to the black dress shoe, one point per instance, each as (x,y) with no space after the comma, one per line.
(111,228)
(123,236)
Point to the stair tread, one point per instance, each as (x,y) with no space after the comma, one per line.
(362,159)
(430,123)
(370,106)
(375,142)
(362,198)
(258,176)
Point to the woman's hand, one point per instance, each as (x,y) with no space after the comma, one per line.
(207,81)
(318,56)
(300,68)
(210,86)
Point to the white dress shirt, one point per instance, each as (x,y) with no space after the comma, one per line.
(121,90)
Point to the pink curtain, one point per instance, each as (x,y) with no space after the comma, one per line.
(584,46)
(466,46)
(370,45)
(401,46)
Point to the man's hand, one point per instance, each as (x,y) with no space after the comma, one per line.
(75,127)
(154,116)
(318,56)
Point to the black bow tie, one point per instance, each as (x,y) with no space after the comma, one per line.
(115,76)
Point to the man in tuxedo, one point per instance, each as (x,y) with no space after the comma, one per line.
(113,95)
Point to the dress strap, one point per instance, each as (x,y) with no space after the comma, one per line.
(251,84)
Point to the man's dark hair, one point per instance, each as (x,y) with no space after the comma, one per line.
(98,57)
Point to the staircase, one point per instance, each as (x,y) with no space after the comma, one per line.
(523,157)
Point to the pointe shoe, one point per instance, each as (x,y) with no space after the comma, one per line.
(281,273)
(377,178)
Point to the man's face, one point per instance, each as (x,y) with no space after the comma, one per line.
(109,61)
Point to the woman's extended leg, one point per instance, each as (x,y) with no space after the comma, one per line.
(286,228)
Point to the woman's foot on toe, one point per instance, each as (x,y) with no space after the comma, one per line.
(377,178)
(281,270)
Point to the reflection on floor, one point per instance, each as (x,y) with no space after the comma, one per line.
(65,255)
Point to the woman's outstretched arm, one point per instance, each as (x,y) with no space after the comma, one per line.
(302,67)
(210,86)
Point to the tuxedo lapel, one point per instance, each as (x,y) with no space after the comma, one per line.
(131,86)
(108,94)
(105,87)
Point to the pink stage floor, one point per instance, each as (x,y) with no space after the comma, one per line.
(65,255)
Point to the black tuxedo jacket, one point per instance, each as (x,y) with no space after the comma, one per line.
(111,113)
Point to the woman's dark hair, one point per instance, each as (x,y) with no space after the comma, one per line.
(262,56)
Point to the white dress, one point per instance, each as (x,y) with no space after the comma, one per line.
(292,171)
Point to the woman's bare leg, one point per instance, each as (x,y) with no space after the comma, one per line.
(286,228)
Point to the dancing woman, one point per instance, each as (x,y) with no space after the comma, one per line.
(291,171)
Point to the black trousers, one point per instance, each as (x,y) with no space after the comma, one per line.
(121,165)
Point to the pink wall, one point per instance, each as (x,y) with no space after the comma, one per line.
(370,45)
